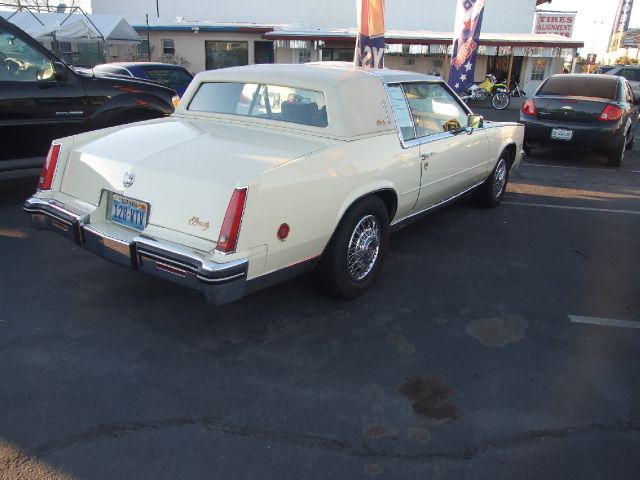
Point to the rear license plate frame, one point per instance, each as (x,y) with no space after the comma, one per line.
(128,212)
(563,134)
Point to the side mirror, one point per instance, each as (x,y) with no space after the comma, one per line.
(475,121)
(60,69)
(54,72)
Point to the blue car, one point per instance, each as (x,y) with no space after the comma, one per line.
(172,76)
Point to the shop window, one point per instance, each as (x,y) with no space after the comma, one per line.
(304,55)
(142,49)
(168,47)
(539,69)
(221,54)
(337,54)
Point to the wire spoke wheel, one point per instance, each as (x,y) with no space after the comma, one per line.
(500,101)
(363,248)
(353,259)
(500,178)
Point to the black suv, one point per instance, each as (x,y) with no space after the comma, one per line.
(42,98)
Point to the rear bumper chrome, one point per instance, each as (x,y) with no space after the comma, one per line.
(220,282)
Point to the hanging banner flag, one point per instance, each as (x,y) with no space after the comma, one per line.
(623,16)
(466,40)
(370,41)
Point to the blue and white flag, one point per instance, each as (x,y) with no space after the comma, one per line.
(466,40)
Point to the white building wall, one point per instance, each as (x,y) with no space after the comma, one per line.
(501,16)
(190,47)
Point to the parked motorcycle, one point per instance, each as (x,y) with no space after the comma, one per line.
(498,92)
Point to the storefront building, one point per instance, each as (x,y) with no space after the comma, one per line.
(282,32)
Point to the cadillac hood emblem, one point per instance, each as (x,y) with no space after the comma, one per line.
(128,179)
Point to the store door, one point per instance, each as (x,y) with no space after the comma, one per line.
(262,52)
(537,70)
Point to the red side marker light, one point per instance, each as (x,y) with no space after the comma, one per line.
(228,238)
(49,167)
(283,232)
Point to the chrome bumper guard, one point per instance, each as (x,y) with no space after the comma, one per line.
(220,282)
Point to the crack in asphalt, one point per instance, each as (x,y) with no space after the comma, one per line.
(363,450)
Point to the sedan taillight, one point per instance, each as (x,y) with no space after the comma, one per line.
(49,167)
(228,238)
(529,107)
(610,113)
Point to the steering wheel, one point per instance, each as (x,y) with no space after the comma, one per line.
(9,66)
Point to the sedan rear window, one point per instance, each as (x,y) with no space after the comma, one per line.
(169,77)
(274,102)
(592,86)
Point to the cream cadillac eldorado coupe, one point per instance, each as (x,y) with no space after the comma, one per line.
(269,171)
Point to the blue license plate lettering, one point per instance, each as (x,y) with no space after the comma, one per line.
(129,212)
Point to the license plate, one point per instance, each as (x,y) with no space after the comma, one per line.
(561,134)
(129,212)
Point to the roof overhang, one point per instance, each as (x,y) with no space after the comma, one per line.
(431,38)
(196,27)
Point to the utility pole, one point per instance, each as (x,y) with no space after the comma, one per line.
(148,40)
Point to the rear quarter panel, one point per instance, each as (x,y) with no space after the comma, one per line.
(501,136)
(312,193)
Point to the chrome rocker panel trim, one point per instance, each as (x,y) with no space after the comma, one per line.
(220,282)
(414,217)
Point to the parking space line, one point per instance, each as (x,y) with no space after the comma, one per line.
(567,207)
(607,322)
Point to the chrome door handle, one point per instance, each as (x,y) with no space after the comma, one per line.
(426,156)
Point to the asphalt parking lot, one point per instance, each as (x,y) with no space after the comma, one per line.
(497,344)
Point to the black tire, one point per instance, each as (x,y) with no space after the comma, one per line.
(616,155)
(500,100)
(490,193)
(362,237)
(629,145)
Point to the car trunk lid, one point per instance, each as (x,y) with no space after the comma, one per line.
(570,109)
(186,170)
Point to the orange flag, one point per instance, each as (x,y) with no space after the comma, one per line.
(370,41)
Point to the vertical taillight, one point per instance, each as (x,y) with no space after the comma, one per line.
(49,167)
(529,107)
(228,238)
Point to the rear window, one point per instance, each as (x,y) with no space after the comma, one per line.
(273,102)
(631,74)
(587,86)
(169,77)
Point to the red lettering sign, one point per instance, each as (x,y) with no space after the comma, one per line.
(464,52)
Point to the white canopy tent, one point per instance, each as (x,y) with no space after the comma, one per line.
(111,29)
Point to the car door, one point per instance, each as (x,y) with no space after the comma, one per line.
(39,101)
(454,158)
